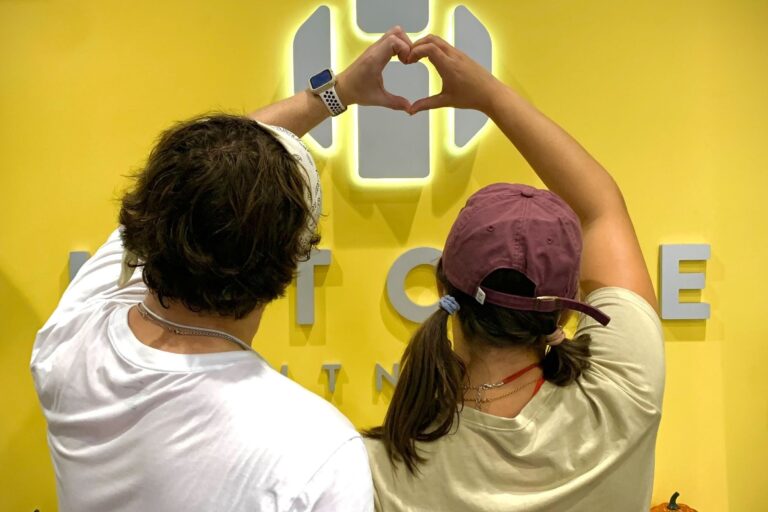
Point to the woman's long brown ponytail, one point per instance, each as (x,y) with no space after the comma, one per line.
(564,363)
(427,395)
(430,389)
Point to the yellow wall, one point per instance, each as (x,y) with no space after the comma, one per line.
(669,95)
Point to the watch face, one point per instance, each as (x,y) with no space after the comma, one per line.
(321,78)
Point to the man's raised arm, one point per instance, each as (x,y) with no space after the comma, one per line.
(361,83)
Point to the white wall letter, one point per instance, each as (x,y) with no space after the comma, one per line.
(382,374)
(305,285)
(672,281)
(332,369)
(396,282)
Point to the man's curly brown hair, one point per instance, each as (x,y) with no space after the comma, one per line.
(217,215)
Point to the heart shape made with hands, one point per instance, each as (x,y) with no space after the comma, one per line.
(462,78)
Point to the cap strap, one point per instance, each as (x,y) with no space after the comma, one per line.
(544,304)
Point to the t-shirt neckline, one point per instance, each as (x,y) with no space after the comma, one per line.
(524,417)
(132,350)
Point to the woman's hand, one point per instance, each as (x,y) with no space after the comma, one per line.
(466,84)
(362,82)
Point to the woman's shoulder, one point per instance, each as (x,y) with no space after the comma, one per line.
(377,452)
(629,352)
(616,298)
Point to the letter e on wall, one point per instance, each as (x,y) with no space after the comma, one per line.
(673,280)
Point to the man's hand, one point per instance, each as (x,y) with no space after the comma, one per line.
(362,82)
(466,84)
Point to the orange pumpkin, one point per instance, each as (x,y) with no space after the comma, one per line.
(672,505)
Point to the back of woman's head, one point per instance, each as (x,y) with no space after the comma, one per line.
(218,217)
(500,327)
(431,386)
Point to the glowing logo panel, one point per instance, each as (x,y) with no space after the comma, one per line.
(379,130)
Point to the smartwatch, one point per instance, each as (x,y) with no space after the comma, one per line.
(323,85)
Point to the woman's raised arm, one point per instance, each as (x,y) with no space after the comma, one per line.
(611,255)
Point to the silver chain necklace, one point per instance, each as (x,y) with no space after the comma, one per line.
(188,330)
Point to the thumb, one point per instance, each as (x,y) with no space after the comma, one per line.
(396,102)
(436,101)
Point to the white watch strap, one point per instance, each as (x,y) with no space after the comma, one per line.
(332,101)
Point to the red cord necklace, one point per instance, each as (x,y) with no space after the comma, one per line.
(482,388)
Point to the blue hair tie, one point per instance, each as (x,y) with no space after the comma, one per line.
(449,304)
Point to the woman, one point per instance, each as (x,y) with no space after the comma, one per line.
(514,415)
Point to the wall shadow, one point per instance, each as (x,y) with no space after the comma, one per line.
(26,474)
(356,208)
(342,379)
(400,328)
(359,204)
(387,389)
(315,334)
(684,330)
(451,178)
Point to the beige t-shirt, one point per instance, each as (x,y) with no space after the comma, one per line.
(586,446)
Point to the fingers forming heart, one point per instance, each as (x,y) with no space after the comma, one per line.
(396,42)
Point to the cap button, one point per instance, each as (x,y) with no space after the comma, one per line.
(526,193)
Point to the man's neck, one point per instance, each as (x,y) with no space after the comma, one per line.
(152,334)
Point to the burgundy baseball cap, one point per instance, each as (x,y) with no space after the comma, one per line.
(532,231)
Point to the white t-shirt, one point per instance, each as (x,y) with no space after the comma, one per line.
(584,447)
(132,428)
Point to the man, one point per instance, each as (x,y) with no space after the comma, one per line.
(153,396)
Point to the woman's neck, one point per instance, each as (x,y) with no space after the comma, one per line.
(490,365)
(486,364)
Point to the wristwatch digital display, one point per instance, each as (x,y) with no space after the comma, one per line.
(323,85)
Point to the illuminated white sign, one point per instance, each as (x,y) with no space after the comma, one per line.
(377,130)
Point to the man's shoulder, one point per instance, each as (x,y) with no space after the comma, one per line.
(292,409)
(64,329)
(303,403)
(279,421)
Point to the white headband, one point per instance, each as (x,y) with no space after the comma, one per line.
(313,194)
